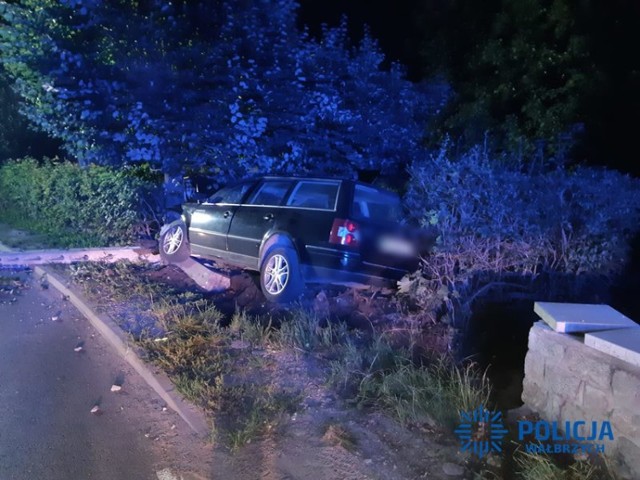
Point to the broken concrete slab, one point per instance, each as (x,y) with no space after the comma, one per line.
(206,278)
(581,317)
(41,257)
(623,344)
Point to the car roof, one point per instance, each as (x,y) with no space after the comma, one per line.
(298,177)
(318,178)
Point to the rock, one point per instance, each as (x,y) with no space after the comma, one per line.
(78,349)
(494,460)
(368,461)
(95,409)
(452,470)
(581,457)
(321,304)
(116,388)
(240,344)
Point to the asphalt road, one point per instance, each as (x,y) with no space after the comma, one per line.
(47,391)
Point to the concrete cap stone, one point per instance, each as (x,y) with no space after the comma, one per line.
(581,317)
(623,344)
(206,278)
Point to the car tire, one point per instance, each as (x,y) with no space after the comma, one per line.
(280,277)
(174,244)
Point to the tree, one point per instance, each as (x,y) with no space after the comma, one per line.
(16,138)
(521,70)
(226,88)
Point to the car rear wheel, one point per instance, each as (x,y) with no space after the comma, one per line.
(280,278)
(174,245)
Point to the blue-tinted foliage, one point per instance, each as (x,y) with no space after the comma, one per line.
(573,220)
(219,87)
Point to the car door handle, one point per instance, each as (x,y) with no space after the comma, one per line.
(268,216)
(226,214)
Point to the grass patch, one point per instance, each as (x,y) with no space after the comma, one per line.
(305,331)
(536,466)
(255,330)
(233,384)
(259,411)
(380,375)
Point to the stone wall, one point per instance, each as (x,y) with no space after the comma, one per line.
(567,380)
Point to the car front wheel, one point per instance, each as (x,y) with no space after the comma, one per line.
(280,278)
(174,245)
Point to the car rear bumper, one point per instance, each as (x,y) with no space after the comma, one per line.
(341,267)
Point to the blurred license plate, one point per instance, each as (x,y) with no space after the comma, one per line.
(396,246)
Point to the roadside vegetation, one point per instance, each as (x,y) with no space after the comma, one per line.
(79,207)
(232,365)
(507,229)
(249,371)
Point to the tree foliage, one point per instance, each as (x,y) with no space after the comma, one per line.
(522,70)
(222,87)
(17,139)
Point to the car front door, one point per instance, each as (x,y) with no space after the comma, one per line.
(210,221)
(255,218)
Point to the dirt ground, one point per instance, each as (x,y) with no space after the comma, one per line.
(302,447)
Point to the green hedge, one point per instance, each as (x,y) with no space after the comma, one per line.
(498,227)
(75,206)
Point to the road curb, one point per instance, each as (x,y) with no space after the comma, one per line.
(114,335)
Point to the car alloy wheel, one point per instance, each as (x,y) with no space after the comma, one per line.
(173,240)
(276,274)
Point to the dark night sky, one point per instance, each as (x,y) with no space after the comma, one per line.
(390,22)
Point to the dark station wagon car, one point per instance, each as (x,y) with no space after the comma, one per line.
(297,230)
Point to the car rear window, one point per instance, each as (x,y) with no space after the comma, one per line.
(271,192)
(376,204)
(315,194)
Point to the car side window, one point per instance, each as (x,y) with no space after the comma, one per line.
(271,192)
(231,195)
(315,194)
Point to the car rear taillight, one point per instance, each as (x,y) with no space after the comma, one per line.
(345,232)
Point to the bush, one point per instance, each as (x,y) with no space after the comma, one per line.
(74,206)
(496,222)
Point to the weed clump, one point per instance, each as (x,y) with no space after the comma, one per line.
(536,466)
(338,435)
